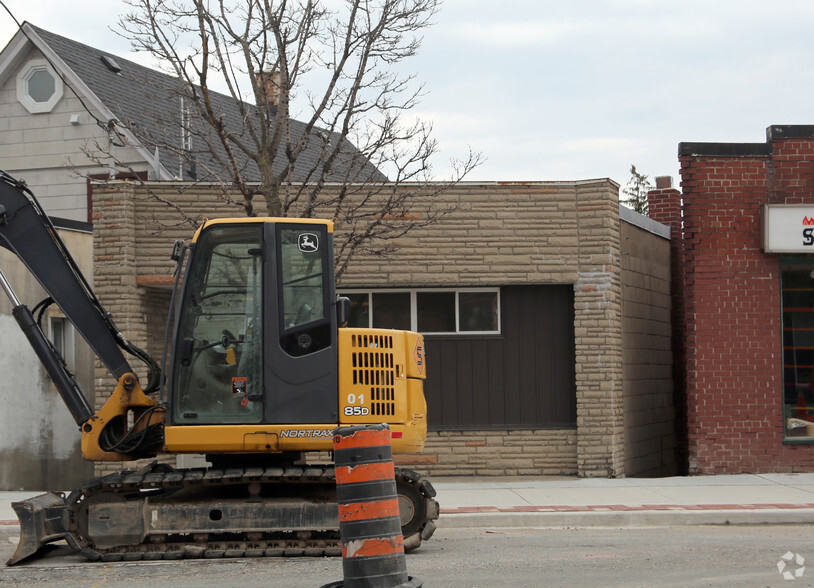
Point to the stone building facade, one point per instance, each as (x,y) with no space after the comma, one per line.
(603,407)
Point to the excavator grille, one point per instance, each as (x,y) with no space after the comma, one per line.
(374,366)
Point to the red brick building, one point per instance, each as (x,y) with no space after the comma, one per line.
(743,302)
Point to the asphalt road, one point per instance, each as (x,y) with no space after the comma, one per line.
(667,556)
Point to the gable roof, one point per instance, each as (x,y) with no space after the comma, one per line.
(147,107)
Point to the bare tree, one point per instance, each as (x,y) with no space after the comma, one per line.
(340,62)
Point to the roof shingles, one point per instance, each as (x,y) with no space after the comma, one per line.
(148,103)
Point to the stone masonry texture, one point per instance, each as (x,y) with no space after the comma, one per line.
(497,234)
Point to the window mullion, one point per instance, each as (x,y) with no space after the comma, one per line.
(457,314)
(413,311)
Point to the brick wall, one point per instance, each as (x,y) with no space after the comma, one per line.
(733,354)
(665,207)
(498,234)
(730,299)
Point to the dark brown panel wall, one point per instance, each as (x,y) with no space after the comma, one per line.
(522,378)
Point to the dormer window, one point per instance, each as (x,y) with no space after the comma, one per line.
(38,87)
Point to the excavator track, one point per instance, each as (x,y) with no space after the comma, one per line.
(162,513)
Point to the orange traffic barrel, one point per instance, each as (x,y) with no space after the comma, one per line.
(369,521)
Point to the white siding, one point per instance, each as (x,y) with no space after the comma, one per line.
(50,153)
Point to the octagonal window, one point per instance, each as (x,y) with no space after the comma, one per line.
(41,85)
(38,87)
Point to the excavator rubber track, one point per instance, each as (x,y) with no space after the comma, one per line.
(163,513)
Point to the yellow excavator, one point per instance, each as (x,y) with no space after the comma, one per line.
(257,373)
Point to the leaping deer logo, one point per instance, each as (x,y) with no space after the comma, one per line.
(308,242)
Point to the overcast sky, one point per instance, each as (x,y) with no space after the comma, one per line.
(552,90)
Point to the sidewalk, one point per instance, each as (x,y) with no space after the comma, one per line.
(551,502)
(629,502)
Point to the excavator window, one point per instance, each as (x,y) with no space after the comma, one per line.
(218,375)
(303,256)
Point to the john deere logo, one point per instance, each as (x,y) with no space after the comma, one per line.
(308,242)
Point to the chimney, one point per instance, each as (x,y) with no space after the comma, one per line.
(271,81)
(664,182)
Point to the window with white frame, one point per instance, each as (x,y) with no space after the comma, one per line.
(39,88)
(62,336)
(432,312)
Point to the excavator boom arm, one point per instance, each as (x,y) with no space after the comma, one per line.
(28,232)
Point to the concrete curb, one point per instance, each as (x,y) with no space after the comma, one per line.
(632,519)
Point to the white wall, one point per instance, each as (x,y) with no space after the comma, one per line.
(39,441)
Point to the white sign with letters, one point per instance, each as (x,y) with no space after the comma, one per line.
(788,228)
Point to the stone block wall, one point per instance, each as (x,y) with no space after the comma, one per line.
(535,233)
(498,234)
(544,452)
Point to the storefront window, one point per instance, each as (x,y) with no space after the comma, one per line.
(359,317)
(797,277)
(478,311)
(435,312)
(391,310)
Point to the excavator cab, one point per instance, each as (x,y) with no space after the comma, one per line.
(256,327)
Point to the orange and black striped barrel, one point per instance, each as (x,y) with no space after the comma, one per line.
(369,522)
